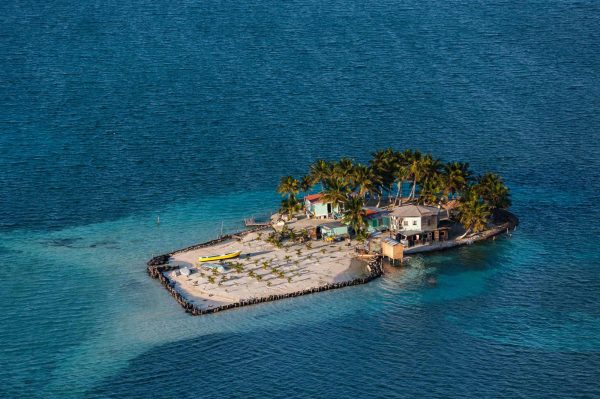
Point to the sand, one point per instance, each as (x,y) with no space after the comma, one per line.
(297,267)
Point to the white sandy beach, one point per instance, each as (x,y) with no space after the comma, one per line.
(293,268)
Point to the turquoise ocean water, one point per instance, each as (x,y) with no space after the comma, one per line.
(114,114)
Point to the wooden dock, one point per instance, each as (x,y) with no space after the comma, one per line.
(251,222)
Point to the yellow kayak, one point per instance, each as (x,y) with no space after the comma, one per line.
(230,255)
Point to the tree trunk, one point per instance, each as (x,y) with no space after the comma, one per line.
(464,235)
(413,192)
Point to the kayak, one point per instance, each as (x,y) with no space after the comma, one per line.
(230,255)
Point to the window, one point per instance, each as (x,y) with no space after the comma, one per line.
(414,222)
(406,222)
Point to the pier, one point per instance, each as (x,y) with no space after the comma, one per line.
(251,222)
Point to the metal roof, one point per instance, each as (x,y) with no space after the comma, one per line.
(415,211)
(313,197)
(390,241)
(332,225)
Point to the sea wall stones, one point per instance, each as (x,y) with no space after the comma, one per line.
(374,267)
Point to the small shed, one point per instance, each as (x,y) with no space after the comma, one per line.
(392,249)
(332,230)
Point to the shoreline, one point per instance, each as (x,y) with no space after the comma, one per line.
(197,297)
(374,269)
(510,222)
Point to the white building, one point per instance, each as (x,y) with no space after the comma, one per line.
(418,225)
(414,218)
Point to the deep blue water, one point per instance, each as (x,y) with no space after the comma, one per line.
(112,114)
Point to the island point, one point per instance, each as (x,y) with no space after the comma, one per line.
(336,226)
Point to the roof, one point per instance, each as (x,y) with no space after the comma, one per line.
(371,210)
(390,241)
(332,225)
(313,197)
(415,211)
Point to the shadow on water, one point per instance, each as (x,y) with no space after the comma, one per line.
(307,362)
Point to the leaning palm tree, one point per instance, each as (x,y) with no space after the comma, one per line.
(320,170)
(354,214)
(457,176)
(289,186)
(473,213)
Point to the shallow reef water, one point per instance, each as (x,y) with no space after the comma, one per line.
(131,129)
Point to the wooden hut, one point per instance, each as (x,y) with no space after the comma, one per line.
(392,249)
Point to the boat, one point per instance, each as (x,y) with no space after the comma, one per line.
(230,255)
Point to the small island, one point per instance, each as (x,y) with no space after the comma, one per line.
(335,228)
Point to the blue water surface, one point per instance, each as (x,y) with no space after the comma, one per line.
(115,113)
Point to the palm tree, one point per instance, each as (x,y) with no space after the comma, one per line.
(354,214)
(493,191)
(320,170)
(432,190)
(343,169)
(335,190)
(289,186)
(306,183)
(382,164)
(457,176)
(365,180)
(290,206)
(430,168)
(401,171)
(473,212)
(415,169)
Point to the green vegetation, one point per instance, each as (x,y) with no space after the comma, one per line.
(278,238)
(239,267)
(354,216)
(289,187)
(351,184)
